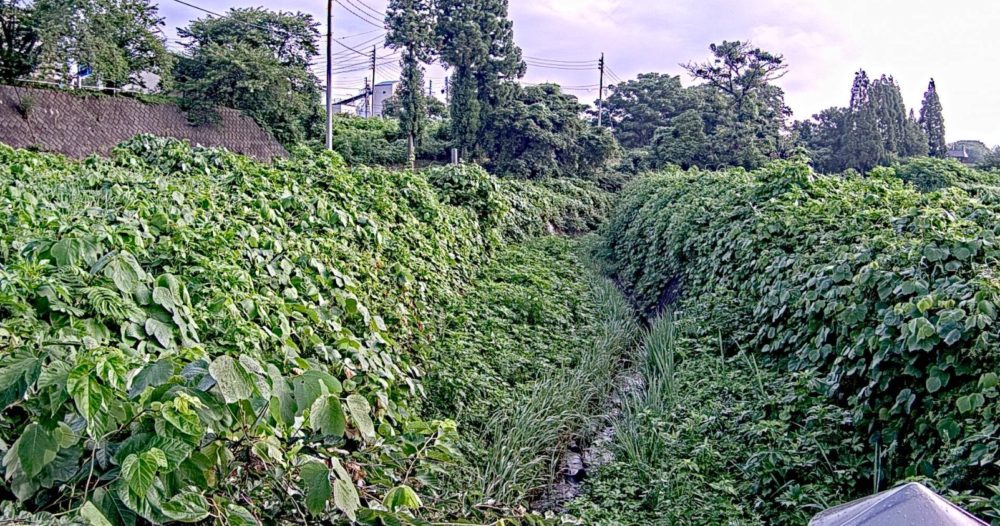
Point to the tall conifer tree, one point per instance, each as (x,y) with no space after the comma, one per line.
(864,147)
(476,40)
(411,29)
(932,121)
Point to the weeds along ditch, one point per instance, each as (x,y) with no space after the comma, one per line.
(531,355)
(187,335)
(835,335)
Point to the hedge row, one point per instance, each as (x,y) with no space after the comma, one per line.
(189,335)
(887,296)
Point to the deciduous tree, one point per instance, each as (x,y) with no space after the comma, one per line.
(120,40)
(256,61)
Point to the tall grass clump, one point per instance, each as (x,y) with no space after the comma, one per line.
(641,409)
(525,442)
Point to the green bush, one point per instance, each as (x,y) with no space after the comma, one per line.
(885,294)
(929,174)
(190,335)
(470,186)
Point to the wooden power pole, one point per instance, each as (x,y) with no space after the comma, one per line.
(329,74)
(600,93)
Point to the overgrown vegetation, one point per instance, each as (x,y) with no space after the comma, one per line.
(188,335)
(530,354)
(869,305)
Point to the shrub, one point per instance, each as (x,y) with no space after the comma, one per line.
(187,333)
(884,293)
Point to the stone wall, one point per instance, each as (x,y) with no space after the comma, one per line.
(80,124)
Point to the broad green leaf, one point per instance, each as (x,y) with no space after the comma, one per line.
(125,272)
(988,380)
(402,497)
(309,386)
(949,429)
(36,448)
(345,497)
(163,333)
(359,409)
(326,416)
(933,384)
(14,366)
(153,375)
(139,470)
(93,516)
(234,383)
(186,507)
(89,397)
(316,486)
(236,515)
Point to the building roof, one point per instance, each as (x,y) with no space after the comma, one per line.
(959,154)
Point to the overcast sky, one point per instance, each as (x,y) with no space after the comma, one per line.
(823,41)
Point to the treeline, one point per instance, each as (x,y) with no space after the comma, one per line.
(874,130)
(734,118)
(258,61)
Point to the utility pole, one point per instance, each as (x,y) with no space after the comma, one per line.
(600,93)
(329,74)
(430,88)
(374,57)
(447,85)
(368,93)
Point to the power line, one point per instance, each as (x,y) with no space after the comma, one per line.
(362,5)
(351,11)
(558,61)
(563,68)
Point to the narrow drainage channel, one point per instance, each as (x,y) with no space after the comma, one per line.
(580,461)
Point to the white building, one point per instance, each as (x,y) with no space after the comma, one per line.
(381,92)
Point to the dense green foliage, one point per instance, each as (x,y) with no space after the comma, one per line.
(120,40)
(530,353)
(735,117)
(709,440)
(880,296)
(256,61)
(186,334)
(19,45)
(874,130)
(539,134)
(382,142)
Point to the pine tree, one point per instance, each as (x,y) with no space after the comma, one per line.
(864,147)
(890,113)
(914,139)
(476,38)
(932,122)
(410,28)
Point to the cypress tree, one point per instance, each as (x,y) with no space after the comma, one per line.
(410,28)
(914,139)
(864,147)
(476,38)
(932,122)
(890,113)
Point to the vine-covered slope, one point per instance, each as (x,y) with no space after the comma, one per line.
(886,297)
(186,334)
